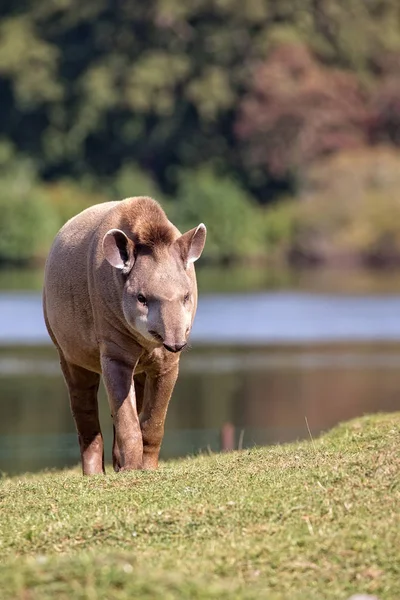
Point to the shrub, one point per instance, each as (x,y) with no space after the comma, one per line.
(350,208)
(279,229)
(68,198)
(27,222)
(129,181)
(234,222)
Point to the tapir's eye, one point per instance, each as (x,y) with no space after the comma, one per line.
(142,299)
(186,298)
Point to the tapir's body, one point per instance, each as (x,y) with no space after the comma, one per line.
(119,300)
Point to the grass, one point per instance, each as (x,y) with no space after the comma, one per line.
(309,520)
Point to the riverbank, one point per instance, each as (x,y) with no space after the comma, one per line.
(306,520)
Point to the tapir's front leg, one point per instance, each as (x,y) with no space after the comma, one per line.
(118,380)
(139,381)
(157,394)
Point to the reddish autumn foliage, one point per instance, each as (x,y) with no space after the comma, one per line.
(297,110)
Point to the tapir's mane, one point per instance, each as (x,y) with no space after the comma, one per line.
(155,234)
(149,224)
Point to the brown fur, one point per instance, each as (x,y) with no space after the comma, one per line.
(149,225)
(103,263)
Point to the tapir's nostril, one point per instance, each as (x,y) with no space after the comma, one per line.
(179,346)
(175,347)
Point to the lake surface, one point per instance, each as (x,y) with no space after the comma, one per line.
(282,359)
(252,318)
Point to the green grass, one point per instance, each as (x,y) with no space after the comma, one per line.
(318,519)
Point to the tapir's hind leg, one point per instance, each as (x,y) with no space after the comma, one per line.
(139,381)
(83,386)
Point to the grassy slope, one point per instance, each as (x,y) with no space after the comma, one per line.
(310,520)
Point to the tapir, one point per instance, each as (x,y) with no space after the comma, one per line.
(119,300)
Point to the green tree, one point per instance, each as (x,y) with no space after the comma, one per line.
(28,223)
(234,223)
(88,86)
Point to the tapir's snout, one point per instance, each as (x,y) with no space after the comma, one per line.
(174,347)
(167,345)
(172,341)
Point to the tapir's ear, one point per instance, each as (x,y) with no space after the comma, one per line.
(118,250)
(192,243)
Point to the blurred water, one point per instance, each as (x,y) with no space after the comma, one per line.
(266,361)
(266,392)
(253,318)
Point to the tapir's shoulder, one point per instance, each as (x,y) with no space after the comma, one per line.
(90,218)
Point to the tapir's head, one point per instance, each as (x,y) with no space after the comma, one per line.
(159,286)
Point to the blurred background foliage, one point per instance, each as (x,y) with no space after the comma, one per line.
(275,123)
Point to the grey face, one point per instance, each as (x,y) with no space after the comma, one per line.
(159,300)
(160,295)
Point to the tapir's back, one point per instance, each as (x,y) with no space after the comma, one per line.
(66,300)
